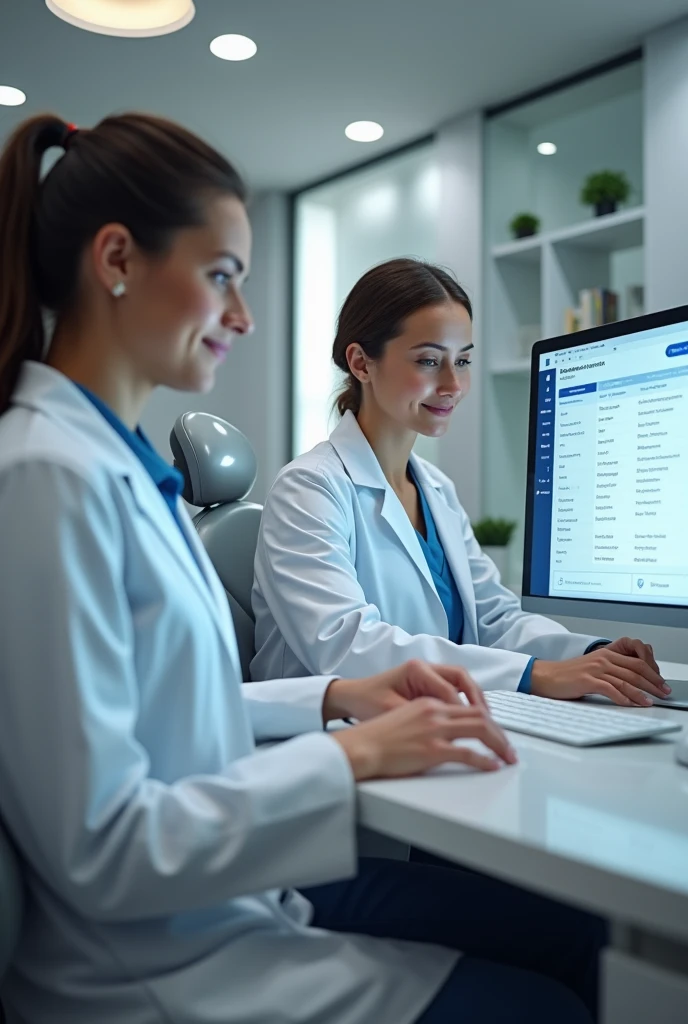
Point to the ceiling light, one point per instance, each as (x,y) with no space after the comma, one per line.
(547,148)
(231,47)
(364,131)
(11,97)
(124,18)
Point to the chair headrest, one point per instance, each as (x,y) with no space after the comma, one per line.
(216,460)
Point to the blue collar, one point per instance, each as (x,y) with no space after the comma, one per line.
(168,480)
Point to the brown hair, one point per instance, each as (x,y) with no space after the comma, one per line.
(144,172)
(376,307)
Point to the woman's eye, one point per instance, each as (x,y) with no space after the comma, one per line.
(221,278)
(427,362)
(463,363)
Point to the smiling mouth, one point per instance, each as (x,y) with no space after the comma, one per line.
(219,349)
(439,410)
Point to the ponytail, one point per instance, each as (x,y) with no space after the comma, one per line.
(21,320)
(145,172)
(348,398)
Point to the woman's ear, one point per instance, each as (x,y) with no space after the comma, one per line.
(112,250)
(358,362)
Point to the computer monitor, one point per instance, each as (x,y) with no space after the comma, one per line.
(607,491)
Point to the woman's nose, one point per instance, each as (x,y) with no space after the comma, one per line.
(237,316)
(450,384)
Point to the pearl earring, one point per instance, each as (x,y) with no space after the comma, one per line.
(119,289)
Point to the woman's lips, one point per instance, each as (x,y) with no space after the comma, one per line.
(437,410)
(219,349)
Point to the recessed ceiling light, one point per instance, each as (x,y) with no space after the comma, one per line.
(231,47)
(124,18)
(547,148)
(364,131)
(11,97)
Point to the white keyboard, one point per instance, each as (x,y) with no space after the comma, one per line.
(567,722)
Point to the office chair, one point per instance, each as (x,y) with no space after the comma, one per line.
(219,469)
(11,906)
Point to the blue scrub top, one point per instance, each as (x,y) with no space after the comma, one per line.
(443,578)
(166,478)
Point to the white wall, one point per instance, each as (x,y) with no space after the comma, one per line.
(666,166)
(508,172)
(460,246)
(252,386)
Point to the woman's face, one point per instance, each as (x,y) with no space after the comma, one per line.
(423,373)
(184,309)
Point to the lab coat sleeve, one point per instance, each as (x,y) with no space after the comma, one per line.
(502,623)
(280,708)
(77,795)
(307,577)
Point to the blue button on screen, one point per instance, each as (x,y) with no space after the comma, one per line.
(680,348)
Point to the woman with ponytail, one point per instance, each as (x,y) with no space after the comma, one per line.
(172,872)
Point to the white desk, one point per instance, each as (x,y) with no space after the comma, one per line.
(604,828)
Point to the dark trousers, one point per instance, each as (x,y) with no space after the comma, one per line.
(527,959)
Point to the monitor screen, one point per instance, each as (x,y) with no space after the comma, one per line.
(607,509)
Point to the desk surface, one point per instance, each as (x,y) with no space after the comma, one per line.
(605,828)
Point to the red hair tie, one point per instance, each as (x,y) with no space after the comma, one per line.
(70,132)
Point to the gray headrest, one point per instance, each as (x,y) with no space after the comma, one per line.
(216,459)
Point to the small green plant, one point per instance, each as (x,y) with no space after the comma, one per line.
(525,224)
(494,532)
(605,187)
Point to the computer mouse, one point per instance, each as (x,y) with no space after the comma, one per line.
(682,748)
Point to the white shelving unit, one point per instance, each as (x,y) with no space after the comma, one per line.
(535,279)
(529,283)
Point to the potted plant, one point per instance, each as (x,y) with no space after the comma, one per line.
(494,535)
(604,190)
(524,225)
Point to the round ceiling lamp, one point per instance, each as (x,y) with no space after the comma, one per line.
(11,97)
(233,47)
(364,131)
(125,17)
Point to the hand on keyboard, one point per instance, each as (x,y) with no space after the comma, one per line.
(625,679)
(419,731)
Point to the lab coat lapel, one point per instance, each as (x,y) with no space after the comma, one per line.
(361,464)
(394,514)
(42,388)
(197,566)
(449,529)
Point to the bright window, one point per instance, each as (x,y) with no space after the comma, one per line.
(342,229)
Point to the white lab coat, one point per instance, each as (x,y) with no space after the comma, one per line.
(153,835)
(342,585)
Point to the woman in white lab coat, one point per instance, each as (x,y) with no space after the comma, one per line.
(162,853)
(366,557)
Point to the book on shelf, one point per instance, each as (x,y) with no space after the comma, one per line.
(571,320)
(597,306)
